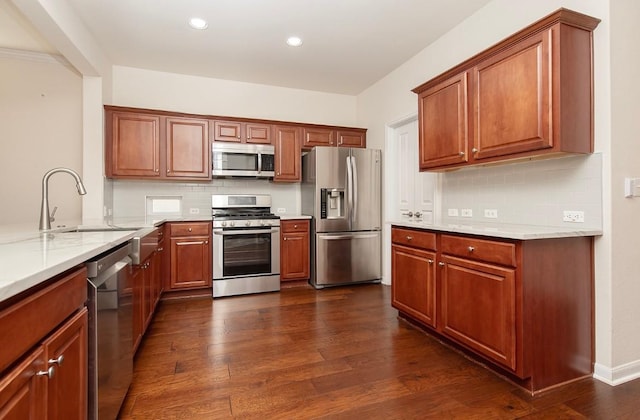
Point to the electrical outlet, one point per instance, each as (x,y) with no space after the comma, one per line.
(573,216)
(491,213)
(282,210)
(193,210)
(452,212)
(467,213)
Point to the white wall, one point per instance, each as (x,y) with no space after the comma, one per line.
(200,95)
(391,99)
(625,220)
(41,120)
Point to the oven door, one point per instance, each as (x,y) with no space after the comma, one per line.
(239,252)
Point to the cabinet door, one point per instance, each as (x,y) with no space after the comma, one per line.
(188,153)
(294,250)
(190,262)
(133,145)
(317,136)
(258,133)
(512,100)
(479,308)
(287,153)
(66,350)
(22,390)
(442,114)
(413,283)
(351,138)
(230,131)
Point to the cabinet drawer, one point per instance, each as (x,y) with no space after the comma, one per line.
(189,229)
(291,226)
(503,253)
(414,238)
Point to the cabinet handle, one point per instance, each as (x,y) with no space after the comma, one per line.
(409,238)
(474,150)
(410,214)
(461,153)
(430,261)
(160,249)
(57,361)
(418,214)
(51,372)
(471,249)
(441,264)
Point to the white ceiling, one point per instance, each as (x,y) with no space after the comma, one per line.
(348,44)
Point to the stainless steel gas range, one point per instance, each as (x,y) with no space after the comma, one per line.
(246,245)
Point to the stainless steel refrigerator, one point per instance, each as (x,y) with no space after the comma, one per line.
(341,191)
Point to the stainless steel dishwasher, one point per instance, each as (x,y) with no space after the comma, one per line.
(110,331)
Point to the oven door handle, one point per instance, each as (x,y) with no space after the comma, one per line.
(244,232)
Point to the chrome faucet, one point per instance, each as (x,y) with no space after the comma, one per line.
(45,217)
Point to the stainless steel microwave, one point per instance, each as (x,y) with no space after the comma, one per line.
(241,159)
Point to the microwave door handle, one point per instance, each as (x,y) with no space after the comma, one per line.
(259,162)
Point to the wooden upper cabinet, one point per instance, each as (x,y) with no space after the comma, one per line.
(343,137)
(442,111)
(188,148)
(132,145)
(318,136)
(512,100)
(351,138)
(241,132)
(529,95)
(288,151)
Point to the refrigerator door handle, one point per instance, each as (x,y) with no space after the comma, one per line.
(350,190)
(342,237)
(354,190)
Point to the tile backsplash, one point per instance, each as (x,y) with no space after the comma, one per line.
(130,197)
(534,193)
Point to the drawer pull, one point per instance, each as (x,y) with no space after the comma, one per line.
(430,261)
(471,249)
(190,229)
(50,373)
(409,238)
(441,264)
(295,226)
(57,361)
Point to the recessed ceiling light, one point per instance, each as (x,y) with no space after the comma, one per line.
(197,23)
(294,41)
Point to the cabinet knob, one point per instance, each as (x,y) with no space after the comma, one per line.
(441,264)
(57,361)
(410,214)
(160,249)
(430,261)
(238,135)
(461,153)
(284,239)
(471,249)
(409,238)
(51,372)
(206,242)
(474,150)
(295,226)
(189,229)
(157,170)
(418,214)
(168,171)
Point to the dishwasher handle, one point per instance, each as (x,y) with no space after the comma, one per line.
(100,282)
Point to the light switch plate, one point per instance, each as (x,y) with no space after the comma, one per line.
(491,213)
(573,216)
(452,212)
(467,213)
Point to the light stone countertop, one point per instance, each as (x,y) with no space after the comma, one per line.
(294,217)
(505,231)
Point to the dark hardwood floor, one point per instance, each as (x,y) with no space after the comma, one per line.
(338,353)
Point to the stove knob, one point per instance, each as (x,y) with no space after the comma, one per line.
(232,224)
(223,224)
(263,223)
(248,223)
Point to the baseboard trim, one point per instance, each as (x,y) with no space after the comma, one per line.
(617,375)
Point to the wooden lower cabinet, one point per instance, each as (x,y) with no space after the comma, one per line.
(294,250)
(479,308)
(190,250)
(525,306)
(44,362)
(414,283)
(147,287)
